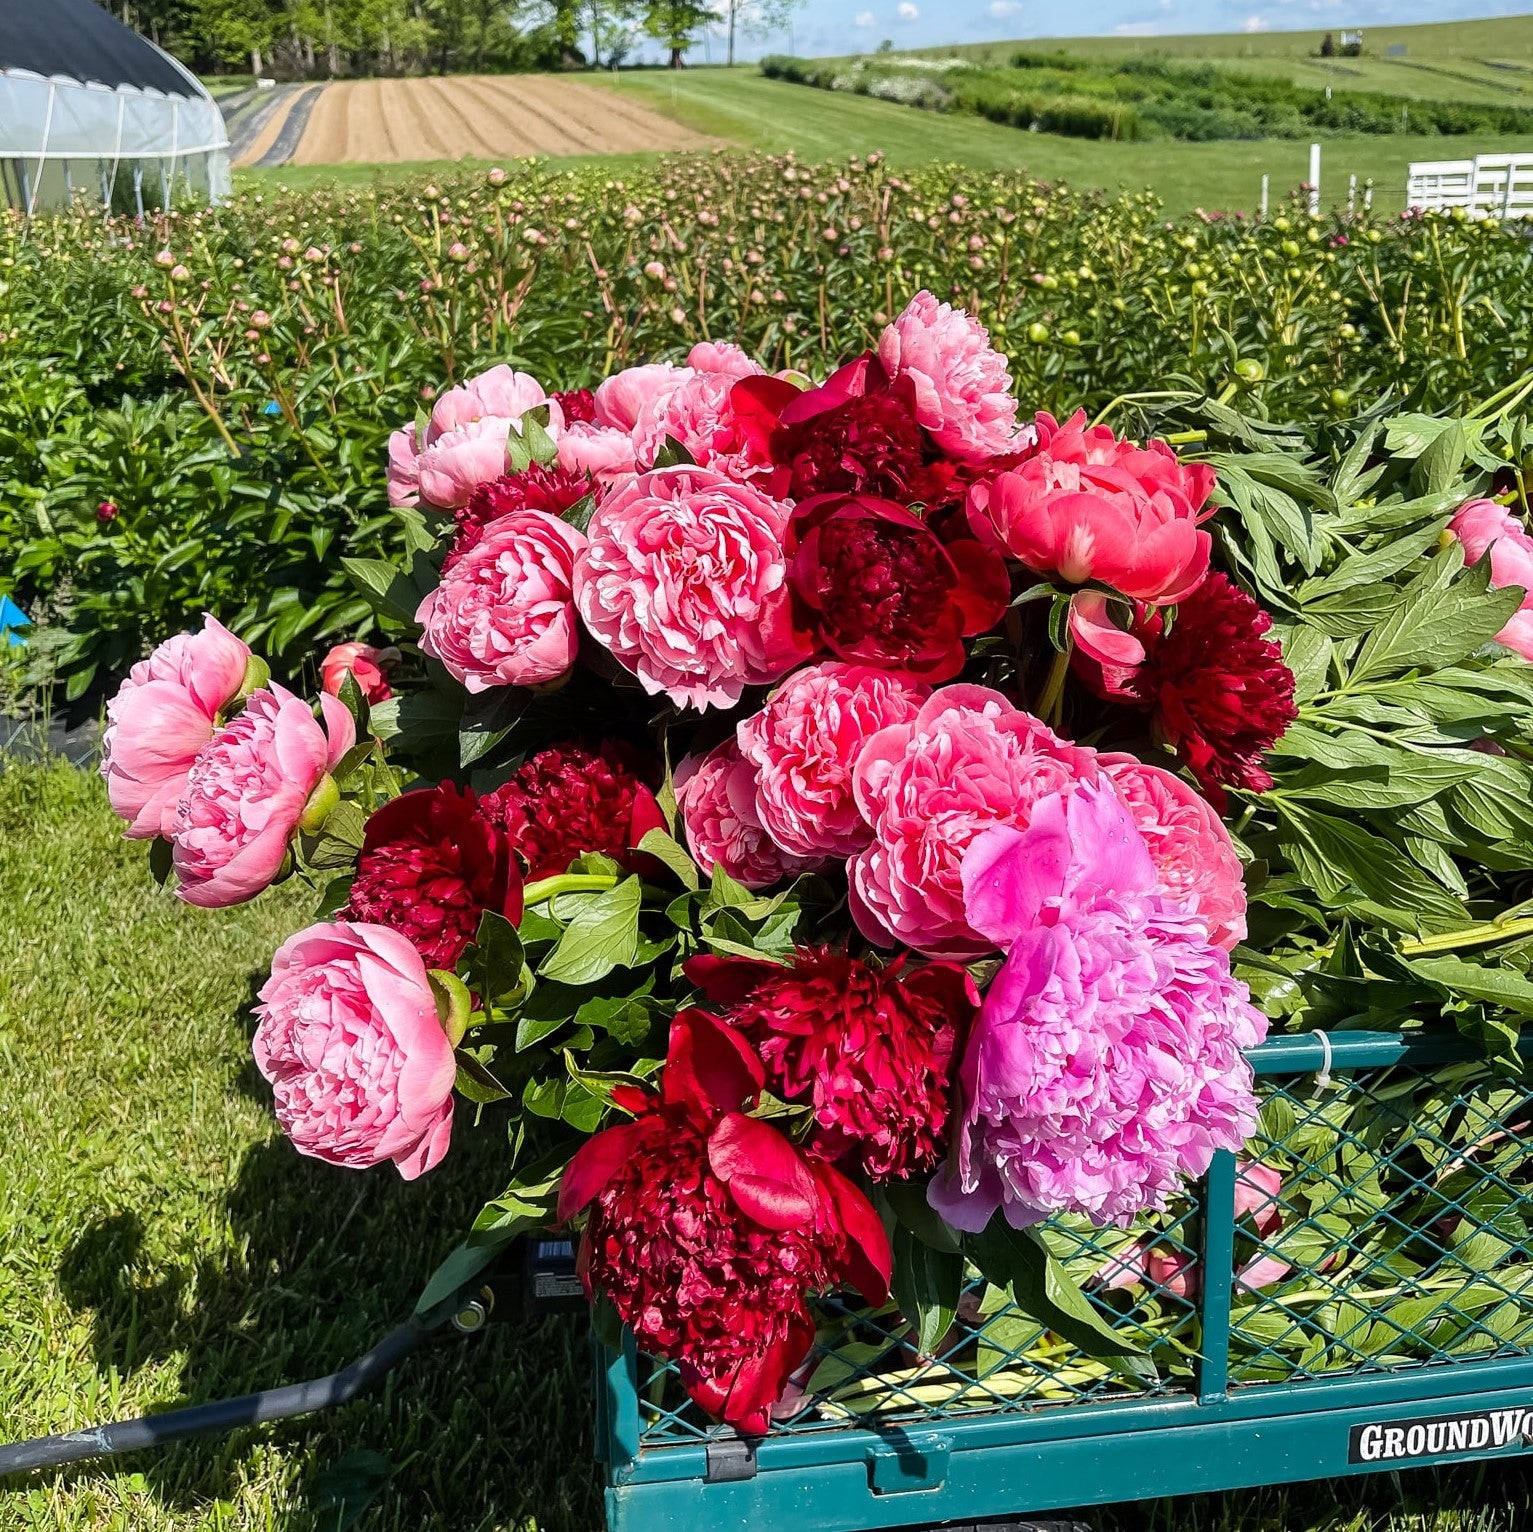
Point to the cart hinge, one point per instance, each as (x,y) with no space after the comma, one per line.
(729,1459)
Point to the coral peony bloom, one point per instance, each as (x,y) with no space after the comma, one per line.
(162,715)
(683,579)
(566,800)
(803,745)
(554,490)
(963,390)
(248,789)
(430,866)
(624,396)
(708,1228)
(504,614)
(967,761)
(873,583)
(1087,508)
(1105,1067)
(716,794)
(869,1049)
(1220,691)
(349,1038)
(1195,859)
(1483,526)
(364,663)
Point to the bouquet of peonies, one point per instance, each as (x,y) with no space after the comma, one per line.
(801,819)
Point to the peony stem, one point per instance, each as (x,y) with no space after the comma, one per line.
(1053,693)
(545,889)
(1471,936)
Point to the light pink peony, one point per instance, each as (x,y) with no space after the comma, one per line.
(504,614)
(803,745)
(248,789)
(683,579)
(716,794)
(1087,508)
(963,390)
(162,715)
(457,462)
(1482,525)
(699,413)
(404,478)
(600,451)
(349,1038)
(1105,1068)
(1194,857)
(499,393)
(722,356)
(623,397)
(967,761)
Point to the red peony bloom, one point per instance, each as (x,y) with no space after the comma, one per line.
(567,800)
(576,403)
(1220,691)
(873,583)
(539,488)
(430,867)
(708,1229)
(870,1048)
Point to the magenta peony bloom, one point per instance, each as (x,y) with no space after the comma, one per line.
(162,715)
(1105,1067)
(967,761)
(1195,859)
(622,398)
(247,791)
(1481,526)
(1087,508)
(803,745)
(683,579)
(963,390)
(504,614)
(349,1038)
(717,797)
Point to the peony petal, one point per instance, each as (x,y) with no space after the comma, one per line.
(984,587)
(593,1166)
(1097,635)
(709,1064)
(765,1174)
(340,726)
(870,1260)
(1009,874)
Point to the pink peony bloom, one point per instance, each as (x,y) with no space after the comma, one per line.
(1105,1068)
(623,397)
(967,761)
(700,414)
(803,745)
(499,393)
(963,391)
(1481,526)
(162,715)
(1194,857)
(365,663)
(247,791)
(683,579)
(456,463)
(722,356)
(349,1038)
(1087,508)
(600,451)
(504,614)
(404,479)
(716,794)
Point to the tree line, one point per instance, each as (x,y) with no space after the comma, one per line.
(328,39)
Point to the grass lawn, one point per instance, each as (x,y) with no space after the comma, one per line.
(162,1244)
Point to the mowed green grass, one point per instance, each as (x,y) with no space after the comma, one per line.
(160,1244)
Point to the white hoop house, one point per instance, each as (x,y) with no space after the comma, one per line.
(87,106)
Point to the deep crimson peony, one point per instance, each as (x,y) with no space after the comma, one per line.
(536,489)
(708,1229)
(1220,690)
(566,800)
(873,583)
(431,865)
(870,1048)
(576,403)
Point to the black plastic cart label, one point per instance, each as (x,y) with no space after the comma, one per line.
(1430,1436)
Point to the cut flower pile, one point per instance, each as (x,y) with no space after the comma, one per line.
(830,821)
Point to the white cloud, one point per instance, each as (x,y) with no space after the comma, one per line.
(1254,24)
(1001,9)
(865,19)
(907,12)
(1136,29)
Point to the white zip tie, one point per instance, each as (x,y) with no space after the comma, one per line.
(1323,1079)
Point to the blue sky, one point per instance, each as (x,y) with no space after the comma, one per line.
(854,26)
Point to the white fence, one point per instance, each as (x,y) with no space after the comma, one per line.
(1488,186)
